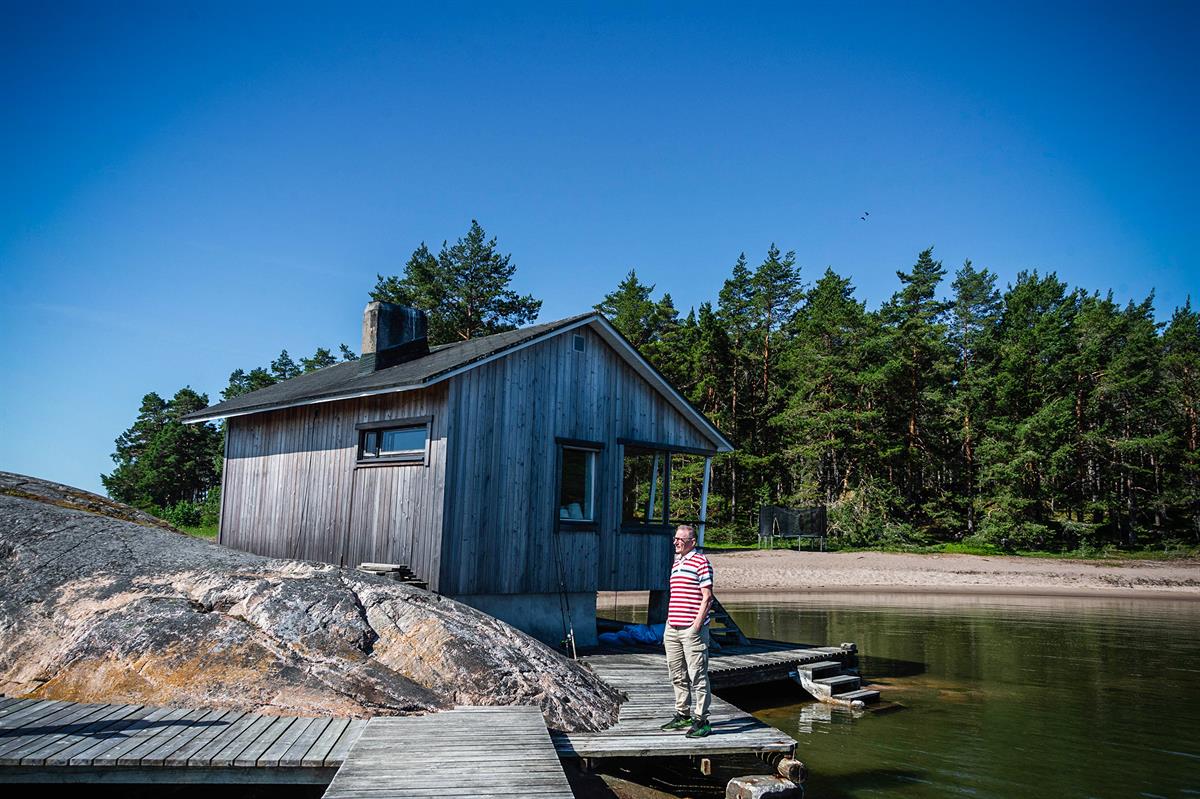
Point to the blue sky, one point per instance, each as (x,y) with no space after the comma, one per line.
(188,189)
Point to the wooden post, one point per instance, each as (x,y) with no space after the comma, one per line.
(704,503)
(653,486)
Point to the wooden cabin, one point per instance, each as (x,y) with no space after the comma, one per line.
(520,472)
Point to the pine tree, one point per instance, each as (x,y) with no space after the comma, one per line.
(1136,409)
(973,316)
(918,370)
(776,293)
(464,289)
(735,314)
(319,360)
(284,368)
(631,310)
(160,460)
(243,382)
(1181,374)
(827,416)
(1028,443)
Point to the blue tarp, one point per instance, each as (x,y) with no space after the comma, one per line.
(635,634)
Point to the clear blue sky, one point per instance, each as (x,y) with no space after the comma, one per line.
(188,190)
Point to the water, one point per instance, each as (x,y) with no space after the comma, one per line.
(1001,697)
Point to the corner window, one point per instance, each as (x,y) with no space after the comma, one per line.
(644,486)
(661,485)
(577,484)
(390,442)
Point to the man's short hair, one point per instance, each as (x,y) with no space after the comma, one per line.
(691,532)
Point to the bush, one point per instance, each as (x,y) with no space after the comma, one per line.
(182,514)
(1002,530)
(737,536)
(210,509)
(861,518)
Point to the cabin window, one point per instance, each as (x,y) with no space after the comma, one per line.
(393,443)
(577,484)
(661,486)
(644,486)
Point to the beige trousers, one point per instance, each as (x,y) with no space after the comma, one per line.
(687,660)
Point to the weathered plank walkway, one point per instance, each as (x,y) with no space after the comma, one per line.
(760,661)
(763,661)
(643,678)
(471,751)
(54,741)
(479,752)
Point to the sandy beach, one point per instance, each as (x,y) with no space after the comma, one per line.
(772,571)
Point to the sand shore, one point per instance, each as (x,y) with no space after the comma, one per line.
(773,571)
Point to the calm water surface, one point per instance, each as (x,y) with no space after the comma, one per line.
(1001,697)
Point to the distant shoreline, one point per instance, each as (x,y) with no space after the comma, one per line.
(766,574)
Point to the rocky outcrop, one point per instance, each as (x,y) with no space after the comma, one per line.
(101,603)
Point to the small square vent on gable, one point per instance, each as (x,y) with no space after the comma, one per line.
(578,343)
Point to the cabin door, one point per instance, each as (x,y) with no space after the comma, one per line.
(384,511)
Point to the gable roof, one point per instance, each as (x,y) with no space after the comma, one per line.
(343,381)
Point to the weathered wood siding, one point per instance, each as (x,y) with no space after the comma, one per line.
(291,488)
(502,477)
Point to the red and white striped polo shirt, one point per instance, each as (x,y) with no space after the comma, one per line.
(688,575)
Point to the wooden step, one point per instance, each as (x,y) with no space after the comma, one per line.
(839,684)
(823,668)
(865,695)
(396,571)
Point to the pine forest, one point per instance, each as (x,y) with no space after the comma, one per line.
(1033,416)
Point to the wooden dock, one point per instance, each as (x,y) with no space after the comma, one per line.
(54,741)
(469,751)
(478,752)
(736,666)
(643,678)
(763,661)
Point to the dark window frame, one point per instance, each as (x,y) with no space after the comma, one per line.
(668,525)
(414,457)
(578,525)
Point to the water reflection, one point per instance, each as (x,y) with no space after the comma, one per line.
(1003,696)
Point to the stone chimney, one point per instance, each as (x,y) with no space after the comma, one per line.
(392,334)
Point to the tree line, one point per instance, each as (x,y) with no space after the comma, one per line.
(1034,417)
(1039,416)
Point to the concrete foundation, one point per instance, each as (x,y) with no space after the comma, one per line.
(541,615)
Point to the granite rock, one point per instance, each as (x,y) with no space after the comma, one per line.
(102,603)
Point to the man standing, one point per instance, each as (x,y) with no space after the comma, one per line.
(685,636)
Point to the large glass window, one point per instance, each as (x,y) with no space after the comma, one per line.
(660,487)
(577,485)
(644,486)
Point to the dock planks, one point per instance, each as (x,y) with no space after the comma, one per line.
(480,752)
(54,741)
(643,678)
(472,751)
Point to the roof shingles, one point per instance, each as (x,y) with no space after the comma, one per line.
(344,380)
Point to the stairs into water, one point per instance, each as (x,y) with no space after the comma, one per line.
(830,682)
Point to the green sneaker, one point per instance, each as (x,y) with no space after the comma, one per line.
(699,729)
(678,723)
